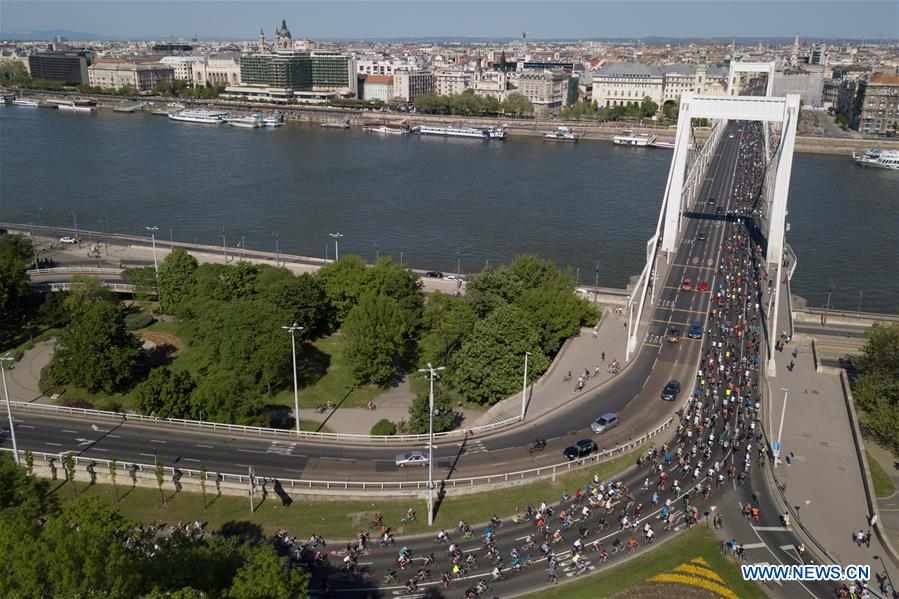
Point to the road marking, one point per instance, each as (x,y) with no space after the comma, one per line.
(786,547)
(252,451)
(694,266)
(773,528)
(753,545)
(53,444)
(98,449)
(25,426)
(65,430)
(156,441)
(114,436)
(190,460)
(293,470)
(204,446)
(149,455)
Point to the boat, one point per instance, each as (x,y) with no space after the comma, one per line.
(206,117)
(629,138)
(22,102)
(471,132)
(245,122)
(342,124)
(562,134)
(270,120)
(77,105)
(664,145)
(387,128)
(888,159)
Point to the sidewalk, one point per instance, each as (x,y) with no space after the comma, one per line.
(887,507)
(24,377)
(578,354)
(824,481)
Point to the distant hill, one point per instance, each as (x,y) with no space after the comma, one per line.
(28,36)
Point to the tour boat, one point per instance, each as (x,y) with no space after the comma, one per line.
(387,128)
(245,122)
(28,103)
(207,117)
(78,105)
(629,138)
(562,134)
(888,159)
(471,132)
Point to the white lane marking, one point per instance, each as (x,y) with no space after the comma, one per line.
(157,441)
(65,430)
(98,449)
(114,436)
(204,446)
(53,444)
(251,451)
(773,528)
(25,426)
(785,547)
(149,455)
(190,460)
(293,470)
(753,545)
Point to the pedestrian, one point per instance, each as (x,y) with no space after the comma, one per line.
(603,356)
(791,366)
(868,539)
(595,332)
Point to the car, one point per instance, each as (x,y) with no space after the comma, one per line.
(454,277)
(604,422)
(731,136)
(582,291)
(411,458)
(670,390)
(711,202)
(579,450)
(434,274)
(695,331)
(687,285)
(67,239)
(719,209)
(702,286)
(701,236)
(673,335)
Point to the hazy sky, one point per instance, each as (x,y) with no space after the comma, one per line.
(545,19)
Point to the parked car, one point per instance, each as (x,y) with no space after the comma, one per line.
(581,449)
(670,390)
(67,239)
(434,274)
(702,286)
(454,277)
(673,335)
(695,331)
(687,285)
(604,422)
(411,458)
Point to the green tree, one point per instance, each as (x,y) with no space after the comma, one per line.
(68,463)
(143,279)
(377,333)
(266,575)
(517,104)
(177,278)
(390,279)
(490,364)
(444,417)
(52,311)
(491,288)
(159,471)
(22,491)
(166,394)
(16,255)
(556,313)
(113,466)
(224,396)
(343,282)
(448,321)
(303,301)
(95,351)
(648,108)
(875,387)
(84,291)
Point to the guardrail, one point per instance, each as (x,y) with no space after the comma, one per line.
(420,485)
(65,286)
(74,270)
(265,431)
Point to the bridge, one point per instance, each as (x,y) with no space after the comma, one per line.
(708,216)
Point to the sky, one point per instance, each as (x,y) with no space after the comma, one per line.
(546,19)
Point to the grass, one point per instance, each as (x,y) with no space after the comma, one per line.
(336,519)
(697,542)
(883,484)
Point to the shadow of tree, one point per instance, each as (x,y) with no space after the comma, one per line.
(242,529)
(312,365)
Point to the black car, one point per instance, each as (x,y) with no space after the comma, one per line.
(669,393)
(581,449)
(434,274)
(701,236)
(719,210)
(711,202)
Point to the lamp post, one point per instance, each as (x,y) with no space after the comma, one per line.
(783,411)
(377,253)
(293,350)
(336,237)
(12,428)
(74,220)
(152,231)
(524,387)
(432,376)
(827,305)
(859,309)
(277,250)
(885,571)
(224,246)
(458,262)
(596,282)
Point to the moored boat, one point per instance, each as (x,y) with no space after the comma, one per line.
(206,117)
(629,138)
(888,159)
(561,134)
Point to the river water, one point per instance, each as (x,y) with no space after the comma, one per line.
(423,197)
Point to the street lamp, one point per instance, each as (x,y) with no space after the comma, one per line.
(524,390)
(224,245)
(377,252)
(152,231)
(777,445)
(432,376)
(458,262)
(12,428)
(293,350)
(596,282)
(277,250)
(827,305)
(885,571)
(74,220)
(336,237)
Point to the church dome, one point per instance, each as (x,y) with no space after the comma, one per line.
(283,31)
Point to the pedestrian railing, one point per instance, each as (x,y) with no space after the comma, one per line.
(357,485)
(259,431)
(80,270)
(66,285)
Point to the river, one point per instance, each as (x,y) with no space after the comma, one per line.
(423,197)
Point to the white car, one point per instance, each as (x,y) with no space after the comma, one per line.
(582,291)
(67,239)
(454,277)
(412,458)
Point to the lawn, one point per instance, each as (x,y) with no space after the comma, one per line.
(337,519)
(883,484)
(697,542)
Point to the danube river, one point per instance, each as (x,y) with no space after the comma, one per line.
(422,197)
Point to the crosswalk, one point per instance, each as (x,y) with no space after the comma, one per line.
(281,448)
(570,569)
(476,446)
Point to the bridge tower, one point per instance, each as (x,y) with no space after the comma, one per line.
(688,169)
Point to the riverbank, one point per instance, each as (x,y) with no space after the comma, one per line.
(516,126)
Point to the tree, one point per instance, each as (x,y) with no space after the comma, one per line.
(444,417)
(343,282)
(69,464)
(143,279)
(303,301)
(517,104)
(52,311)
(556,313)
(489,289)
(266,575)
(875,387)
(448,321)
(390,279)
(176,278)
(648,108)
(113,471)
(203,483)
(166,394)
(377,333)
(159,471)
(224,396)
(16,255)
(490,364)
(95,351)
(22,491)
(84,292)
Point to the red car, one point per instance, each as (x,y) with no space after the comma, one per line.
(702,286)
(687,285)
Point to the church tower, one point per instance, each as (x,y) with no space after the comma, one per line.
(261,41)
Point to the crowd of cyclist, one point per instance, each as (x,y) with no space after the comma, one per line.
(716,441)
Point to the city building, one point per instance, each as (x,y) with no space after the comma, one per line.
(807,82)
(183,66)
(219,69)
(877,105)
(68,68)
(449,82)
(407,85)
(377,87)
(548,89)
(622,83)
(142,77)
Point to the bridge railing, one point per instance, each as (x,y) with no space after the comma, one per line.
(65,286)
(260,431)
(74,270)
(340,486)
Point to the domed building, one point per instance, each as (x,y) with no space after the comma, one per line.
(283,39)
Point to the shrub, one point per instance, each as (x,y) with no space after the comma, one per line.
(383,427)
(139,320)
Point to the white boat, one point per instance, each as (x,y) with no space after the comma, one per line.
(342,124)
(665,145)
(28,103)
(562,134)
(245,122)
(888,159)
(388,129)
(208,117)
(78,106)
(629,138)
(471,132)
(273,120)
